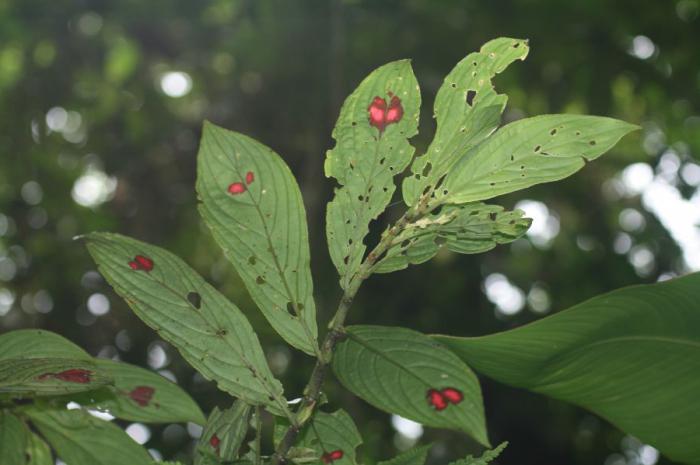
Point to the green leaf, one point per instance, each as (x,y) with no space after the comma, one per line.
(81,439)
(365,160)
(467,110)
(530,151)
(467,229)
(50,376)
(223,434)
(396,369)
(37,343)
(142,395)
(38,452)
(632,356)
(415,456)
(211,333)
(13,439)
(261,229)
(330,435)
(487,457)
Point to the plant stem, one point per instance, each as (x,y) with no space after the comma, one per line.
(312,391)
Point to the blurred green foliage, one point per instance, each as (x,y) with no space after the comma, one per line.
(101,107)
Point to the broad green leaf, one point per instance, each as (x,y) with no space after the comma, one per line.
(81,439)
(397,369)
(487,457)
(142,395)
(252,204)
(467,229)
(38,452)
(37,343)
(211,333)
(327,438)
(223,434)
(467,110)
(14,437)
(365,160)
(530,151)
(632,356)
(50,376)
(414,456)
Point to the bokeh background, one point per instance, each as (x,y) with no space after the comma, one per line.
(101,108)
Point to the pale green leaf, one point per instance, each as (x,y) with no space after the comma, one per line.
(487,457)
(467,110)
(632,356)
(395,369)
(142,395)
(38,452)
(14,437)
(50,376)
(530,151)
(211,333)
(365,160)
(414,456)
(81,439)
(262,229)
(223,434)
(466,229)
(37,343)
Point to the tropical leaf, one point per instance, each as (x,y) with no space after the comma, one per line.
(223,434)
(414,456)
(142,395)
(81,439)
(38,452)
(405,372)
(371,136)
(253,207)
(211,333)
(632,356)
(467,110)
(530,151)
(50,376)
(487,457)
(14,437)
(467,229)
(37,343)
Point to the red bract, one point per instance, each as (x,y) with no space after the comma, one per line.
(436,399)
(142,395)
(381,115)
(236,188)
(249,177)
(141,263)
(214,442)
(74,375)
(452,395)
(329,457)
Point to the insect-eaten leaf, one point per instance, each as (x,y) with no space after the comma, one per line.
(223,434)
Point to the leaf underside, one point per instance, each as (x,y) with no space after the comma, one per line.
(261,228)
(632,356)
(414,456)
(229,428)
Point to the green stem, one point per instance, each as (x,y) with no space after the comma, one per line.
(312,392)
(258,436)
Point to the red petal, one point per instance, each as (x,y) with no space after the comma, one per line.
(452,395)
(236,188)
(436,399)
(145,263)
(134,265)
(337,454)
(142,395)
(215,441)
(395,111)
(377,113)
(249,177)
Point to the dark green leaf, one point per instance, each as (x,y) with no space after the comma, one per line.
(631,356)
(214,336)
(223,434)
(414,456)
(252,204)
(14,437)
(397,370)
(487,457)
(50,376)
(365,160)
(38,452)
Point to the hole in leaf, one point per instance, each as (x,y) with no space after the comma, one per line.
(260,280)
(537,149)
(592,142)
(553,131)
(492,216)
(426,170)
(195,299)
(440,241)
(382,160)
(405,243)
(221,332)
(470,97)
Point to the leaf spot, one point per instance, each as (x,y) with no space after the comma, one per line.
(195,299)
(141,262)
(142,395)
(249,177)
(332,456)
(236,188)
(260,280)
(73,375)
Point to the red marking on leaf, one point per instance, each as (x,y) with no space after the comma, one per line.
(236,188)
(74,375)
(215,442)
(437,399)
(141,263)
(249,177)
(142,395)
(452,395)
(381,115)
(332,456)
